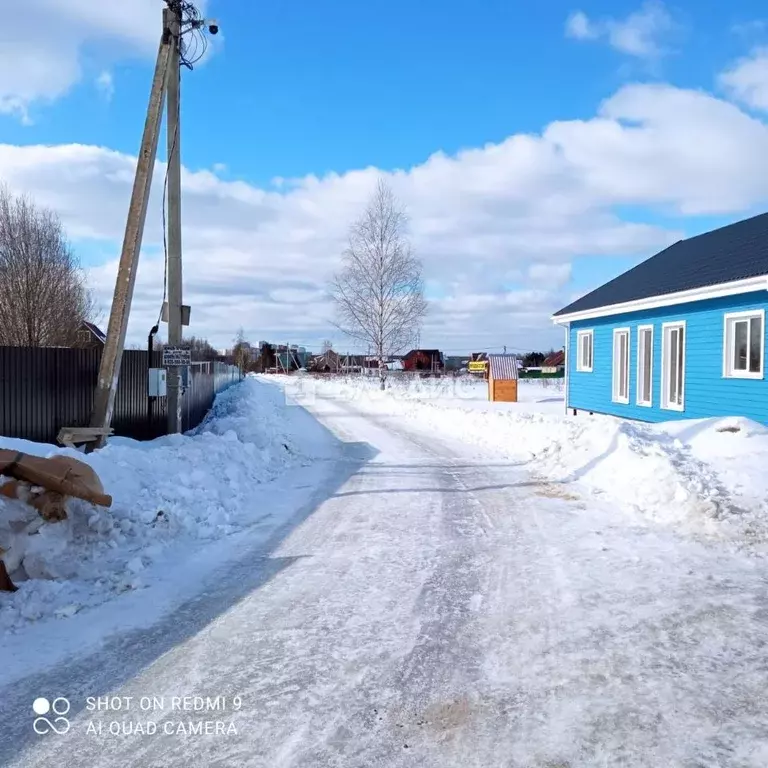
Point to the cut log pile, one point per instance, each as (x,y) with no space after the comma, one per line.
(45,485)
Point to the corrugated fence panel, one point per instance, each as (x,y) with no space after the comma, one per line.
(131,415)
(198,397)
(45,389)
(42,390)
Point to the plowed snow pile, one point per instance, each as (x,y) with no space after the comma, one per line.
(172,496)
(705,477)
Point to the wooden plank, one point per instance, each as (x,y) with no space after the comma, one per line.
(71,436)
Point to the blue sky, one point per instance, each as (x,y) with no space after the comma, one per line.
(345,91)
(303,87)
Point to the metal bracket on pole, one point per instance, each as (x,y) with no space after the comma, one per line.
(111,356)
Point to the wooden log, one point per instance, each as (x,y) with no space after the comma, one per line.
(62,474)
(6,585)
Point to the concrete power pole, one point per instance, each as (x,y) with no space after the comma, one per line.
(112,355)
(179,19)
(173,21)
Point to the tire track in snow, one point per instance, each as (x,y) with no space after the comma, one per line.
(439,702)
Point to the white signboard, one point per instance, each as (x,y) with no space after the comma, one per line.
(176,356)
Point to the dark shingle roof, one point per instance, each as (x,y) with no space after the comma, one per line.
(96,331)
(734,252)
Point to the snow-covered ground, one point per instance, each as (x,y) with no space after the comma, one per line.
(440,604)
(179,504)
(704,477)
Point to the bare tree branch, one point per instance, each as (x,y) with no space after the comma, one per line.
(44,298)
(241,352)
(379,292)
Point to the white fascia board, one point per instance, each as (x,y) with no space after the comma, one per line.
(759,283)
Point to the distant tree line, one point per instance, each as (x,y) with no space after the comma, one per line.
(201,349)
(535,359)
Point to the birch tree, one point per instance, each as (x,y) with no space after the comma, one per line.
(379,291)
(43,294)
(241,352)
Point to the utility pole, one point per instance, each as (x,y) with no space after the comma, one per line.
(112,354)
(180,19)
(172,20)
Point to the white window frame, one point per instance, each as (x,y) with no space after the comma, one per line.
(616,396)
(665,404)
(729,319)
(640,358)
(580,336)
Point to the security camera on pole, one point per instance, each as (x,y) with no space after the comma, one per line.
(183,43)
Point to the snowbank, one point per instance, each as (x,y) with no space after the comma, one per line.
(705,477)
(171,496)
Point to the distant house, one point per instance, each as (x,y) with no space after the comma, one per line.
(89,336)
(681,335)
(328,362)
(555,363)
(423,360)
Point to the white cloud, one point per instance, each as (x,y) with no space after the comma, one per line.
(42,42)
(750,28)
(106,85)
(555,275)
(498,227)
(747,80)
(580,27)
(641,34)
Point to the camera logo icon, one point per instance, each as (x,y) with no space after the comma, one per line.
(51,715)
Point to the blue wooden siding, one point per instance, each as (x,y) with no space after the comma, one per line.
(707,391)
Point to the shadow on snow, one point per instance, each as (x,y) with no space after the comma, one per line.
(126,654)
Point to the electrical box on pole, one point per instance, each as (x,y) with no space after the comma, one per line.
(157,382)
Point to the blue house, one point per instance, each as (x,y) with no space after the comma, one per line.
(679,336)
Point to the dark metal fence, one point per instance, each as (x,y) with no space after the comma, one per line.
(45,389)
(206,380)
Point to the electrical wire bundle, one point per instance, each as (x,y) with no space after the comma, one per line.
(193,42)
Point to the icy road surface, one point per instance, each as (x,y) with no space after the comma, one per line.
(434,609)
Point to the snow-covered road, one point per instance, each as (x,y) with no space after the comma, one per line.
(432,608)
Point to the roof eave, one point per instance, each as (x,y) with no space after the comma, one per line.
(757,283)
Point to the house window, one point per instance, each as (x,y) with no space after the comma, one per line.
(743,345)
(83,337)
(645,365)
(621,365)
(584,351)
(673,366)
